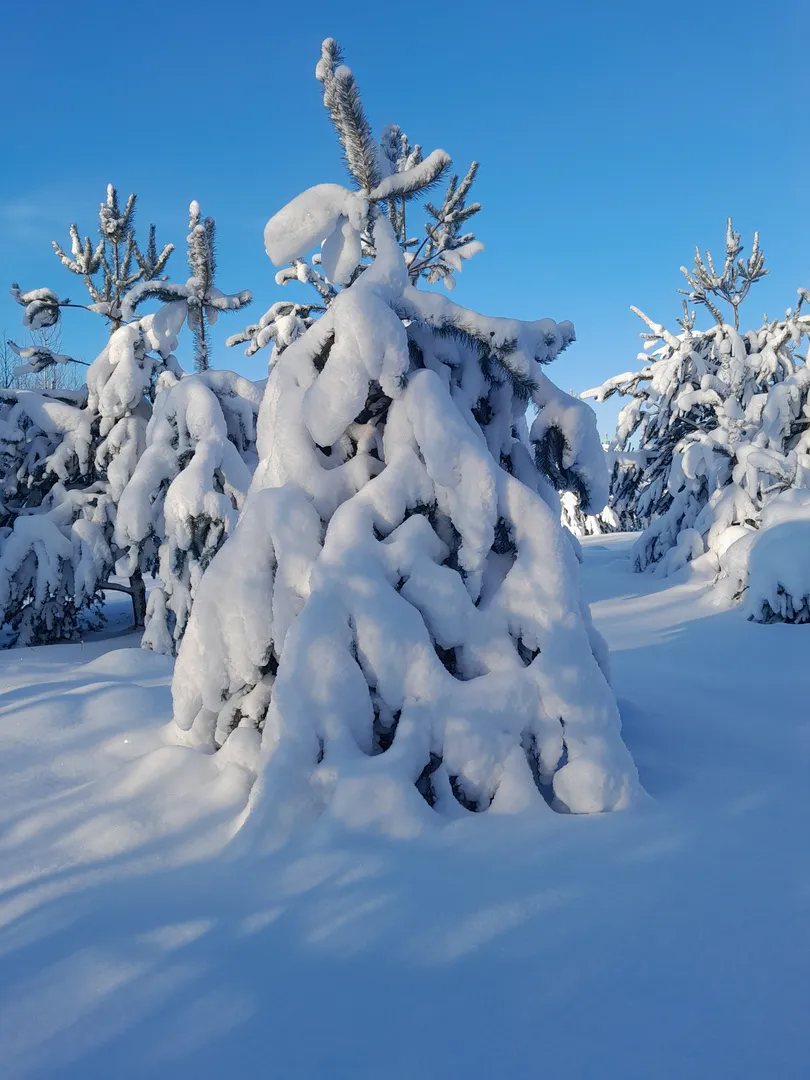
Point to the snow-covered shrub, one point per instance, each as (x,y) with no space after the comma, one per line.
(715,423)
(396,622)
(768,568)
(33,424)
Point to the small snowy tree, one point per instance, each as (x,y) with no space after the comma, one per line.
(107,270)
(710,428)
(52,566)
(32,426)
(396,620)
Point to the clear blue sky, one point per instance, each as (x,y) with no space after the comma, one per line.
(612,137)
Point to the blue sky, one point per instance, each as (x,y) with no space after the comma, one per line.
(612,138)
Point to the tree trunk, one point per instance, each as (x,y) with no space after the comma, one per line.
(138,593)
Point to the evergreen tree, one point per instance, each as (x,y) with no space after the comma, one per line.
(32,425)
(396,616)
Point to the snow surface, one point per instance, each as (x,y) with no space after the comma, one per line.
(665,941)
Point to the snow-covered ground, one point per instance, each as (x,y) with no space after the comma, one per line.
(668,941)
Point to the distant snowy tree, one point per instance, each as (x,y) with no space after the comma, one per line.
(626,470)
(714,424)
(395,622)
(40,365)
(578,522)
(581,524)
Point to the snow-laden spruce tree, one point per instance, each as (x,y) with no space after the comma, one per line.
(765,561)
(31,428)
(395,623)
(33,392)
(695,414)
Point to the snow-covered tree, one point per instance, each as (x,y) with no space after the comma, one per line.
(714,422)
(395,624)
(56,432)
(52,567)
